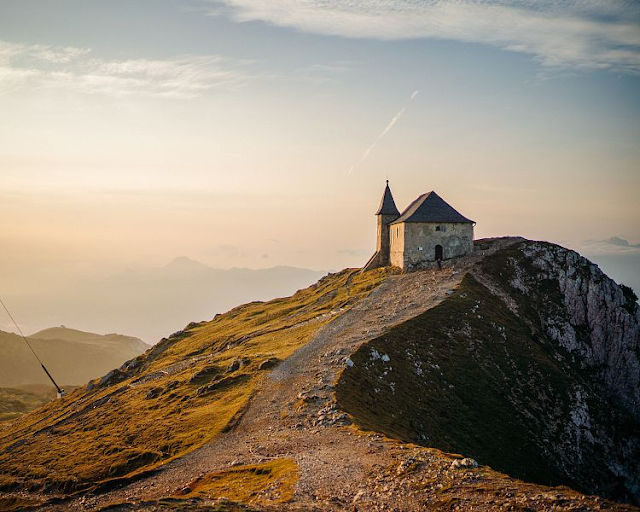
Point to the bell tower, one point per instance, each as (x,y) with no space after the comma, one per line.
(387,213)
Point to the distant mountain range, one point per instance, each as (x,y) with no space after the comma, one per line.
(72,356)
(153,302)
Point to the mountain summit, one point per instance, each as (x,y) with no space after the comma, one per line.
(477,386)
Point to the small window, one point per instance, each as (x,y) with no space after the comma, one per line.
(398,231)
(437,228)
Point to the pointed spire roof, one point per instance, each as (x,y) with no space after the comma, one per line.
(430,207)
(387,205)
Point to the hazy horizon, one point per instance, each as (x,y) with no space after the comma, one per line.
(240,133)
(148,302)
(137,296)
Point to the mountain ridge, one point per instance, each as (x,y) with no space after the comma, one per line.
(515,385)
(275,367)
(85,337)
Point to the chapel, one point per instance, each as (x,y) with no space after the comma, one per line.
(428,230)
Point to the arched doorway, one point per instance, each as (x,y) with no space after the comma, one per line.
(439,252)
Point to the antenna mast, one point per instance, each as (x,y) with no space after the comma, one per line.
(61,392)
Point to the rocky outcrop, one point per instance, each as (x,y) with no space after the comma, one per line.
(531,367)
(592,325)
(598,324)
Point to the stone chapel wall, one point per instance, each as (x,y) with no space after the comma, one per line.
(414,243)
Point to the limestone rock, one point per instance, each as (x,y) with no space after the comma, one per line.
(595,325)
(466,463)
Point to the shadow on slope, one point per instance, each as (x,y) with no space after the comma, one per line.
(470,376)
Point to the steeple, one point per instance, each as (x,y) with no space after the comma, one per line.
(386,214)
(387,205)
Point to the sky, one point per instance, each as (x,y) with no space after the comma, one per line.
(254,133)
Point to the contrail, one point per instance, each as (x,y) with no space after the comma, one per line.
(384,132)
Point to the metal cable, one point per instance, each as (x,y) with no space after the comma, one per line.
(58,388)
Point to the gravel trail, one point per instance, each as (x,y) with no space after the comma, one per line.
(294,415)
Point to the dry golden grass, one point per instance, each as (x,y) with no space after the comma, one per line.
(179,395)
(14,503)
(260,484)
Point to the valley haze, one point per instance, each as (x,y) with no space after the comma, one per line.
(150,303)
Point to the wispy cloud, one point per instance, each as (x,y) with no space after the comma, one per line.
(586,34)
(321,74)
(393,121)
(76,69)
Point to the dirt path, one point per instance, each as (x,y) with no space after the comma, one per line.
(294,414)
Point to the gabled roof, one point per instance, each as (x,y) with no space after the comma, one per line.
(430,208)
(387,205)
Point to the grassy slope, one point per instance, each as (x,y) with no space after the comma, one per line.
(257,484)
(469,376)
(172,399)
(241,488)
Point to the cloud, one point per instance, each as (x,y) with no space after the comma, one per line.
(610,246)
(584,34)
(37,52)
(621,242)
(75,69)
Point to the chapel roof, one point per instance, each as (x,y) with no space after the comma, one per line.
(387,205)
(430,207)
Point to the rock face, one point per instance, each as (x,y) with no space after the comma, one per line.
(597,323)
(592,318)
(530,367)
